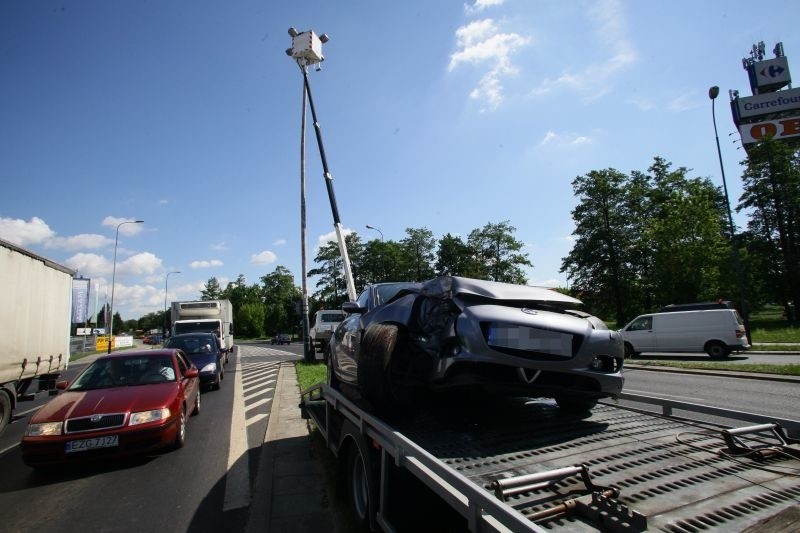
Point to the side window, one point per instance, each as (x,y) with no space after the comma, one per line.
(363,299)
(643,324)
(183,366)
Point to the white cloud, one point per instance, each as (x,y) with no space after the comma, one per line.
(329,237)
(23,233)
(219,247)
(570,139)
(206,264)
(263,258)
(124,229)
(90,265)
(643,104)
(480,5)
(684,102)
(596,79)
(141,264)
(481,43)
(279,242)
(79,242)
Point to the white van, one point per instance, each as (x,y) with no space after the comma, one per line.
(718,332)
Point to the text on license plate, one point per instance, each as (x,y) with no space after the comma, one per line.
(91,444)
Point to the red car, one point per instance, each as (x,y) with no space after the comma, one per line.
(121,404)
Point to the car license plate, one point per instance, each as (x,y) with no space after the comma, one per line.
(90,444)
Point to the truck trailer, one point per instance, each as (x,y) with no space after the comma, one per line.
(522,464)
(35,310)
(206,316)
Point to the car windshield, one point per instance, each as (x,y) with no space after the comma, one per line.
(388,291)
(193,345)
(112,372)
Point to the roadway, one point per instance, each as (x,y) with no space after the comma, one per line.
(206,486)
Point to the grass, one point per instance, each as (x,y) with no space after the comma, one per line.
(309,374)
(783,370)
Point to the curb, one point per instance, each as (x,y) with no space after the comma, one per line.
(716,373)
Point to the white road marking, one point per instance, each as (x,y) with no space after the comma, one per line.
(251,421)
(256,404)
(237,482)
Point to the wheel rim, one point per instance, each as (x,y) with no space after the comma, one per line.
(182,427)
(360,489)
(197,401)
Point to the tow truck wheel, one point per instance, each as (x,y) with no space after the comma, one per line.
(360,483)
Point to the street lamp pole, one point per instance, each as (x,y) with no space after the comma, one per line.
(166,281)
(713,92)
(113,279)
(376,229)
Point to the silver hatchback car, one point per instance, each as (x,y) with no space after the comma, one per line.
(402,338)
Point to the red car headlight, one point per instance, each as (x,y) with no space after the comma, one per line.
(44,429)
(144,417)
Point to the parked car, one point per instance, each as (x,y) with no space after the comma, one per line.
(281,338)
(399,339)
(206,354)
(716,331)
(121,404)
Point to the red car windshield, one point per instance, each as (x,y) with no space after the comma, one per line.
(124,372)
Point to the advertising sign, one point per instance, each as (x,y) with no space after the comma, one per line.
(764,104)
(780,129)
(769,75)
(80,300)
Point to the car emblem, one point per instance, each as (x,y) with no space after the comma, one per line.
(96,418)
(530,311)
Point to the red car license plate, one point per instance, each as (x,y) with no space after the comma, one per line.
(91,444)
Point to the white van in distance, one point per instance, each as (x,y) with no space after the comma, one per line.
(718,332)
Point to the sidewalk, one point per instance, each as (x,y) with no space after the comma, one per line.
(290,494)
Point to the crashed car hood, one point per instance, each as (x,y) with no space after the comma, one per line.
(456,287)
(75,404)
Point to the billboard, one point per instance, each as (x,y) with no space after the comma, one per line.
(781,129)
(765,104)
(769,75)
(80,300)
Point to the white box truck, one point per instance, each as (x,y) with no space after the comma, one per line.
(36,313)
(325,322)
(208,316)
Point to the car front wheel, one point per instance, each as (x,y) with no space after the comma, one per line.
(180,438)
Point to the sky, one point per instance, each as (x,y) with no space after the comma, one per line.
(440,114)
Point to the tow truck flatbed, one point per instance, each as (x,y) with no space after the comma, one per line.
(523,465)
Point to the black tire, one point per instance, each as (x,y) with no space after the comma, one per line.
(5,410)
(180,438)
(377,359)
(576,404)
(717,350)
(196,406)
(360,482)
(629,353)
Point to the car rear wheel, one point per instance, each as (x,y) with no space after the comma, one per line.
(5,410)
(717,350)
(575,404)
(629,352)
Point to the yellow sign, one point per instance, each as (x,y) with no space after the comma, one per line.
(102,343)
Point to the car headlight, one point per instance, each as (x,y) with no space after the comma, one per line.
(43,429)
(210,367)
(149,416)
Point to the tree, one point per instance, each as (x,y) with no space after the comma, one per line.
(454,258)
(331,285)
(418,253)
(280,295)
(596,264)
(498,253)
(212,290)
(772,192)
(250,320)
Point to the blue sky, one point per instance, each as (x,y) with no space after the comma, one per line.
(439,114)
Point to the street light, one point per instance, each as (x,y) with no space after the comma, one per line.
(113,278)
(376,229)
(713,92)
(166,281)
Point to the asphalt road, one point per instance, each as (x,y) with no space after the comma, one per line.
(766,358)
(205,486)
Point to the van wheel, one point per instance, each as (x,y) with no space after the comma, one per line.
(629,353)
(717,350)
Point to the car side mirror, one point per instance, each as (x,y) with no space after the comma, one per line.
(62,385)
(352,307)
(192,373)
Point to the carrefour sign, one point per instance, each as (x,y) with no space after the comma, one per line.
(764,104)
(780,129)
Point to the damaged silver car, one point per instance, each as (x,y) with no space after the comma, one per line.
(399,339)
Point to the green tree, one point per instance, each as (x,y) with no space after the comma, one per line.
(211,290)
(498,253)
(280,297)
(250,320)
(418,254)
(332,285)
(454,258)
(772,194)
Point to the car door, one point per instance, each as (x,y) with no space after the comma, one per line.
(640,334)
(191,386)
(346,339)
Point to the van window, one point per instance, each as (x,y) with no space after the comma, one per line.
(643,323)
